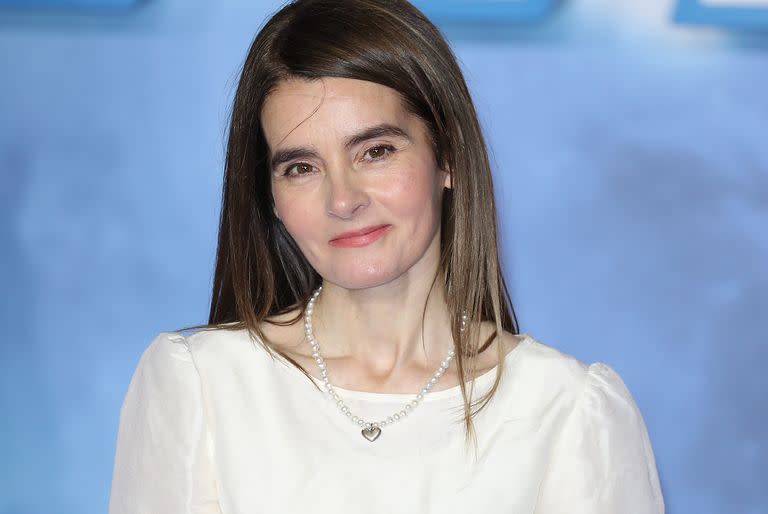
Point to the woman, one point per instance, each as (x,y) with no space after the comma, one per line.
(361,352)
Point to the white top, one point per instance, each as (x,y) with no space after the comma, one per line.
(212,424)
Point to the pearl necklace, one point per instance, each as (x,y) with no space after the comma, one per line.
(371,429)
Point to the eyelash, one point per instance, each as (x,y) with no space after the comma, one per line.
(389,151)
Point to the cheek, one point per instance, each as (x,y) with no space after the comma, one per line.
(284,203)
(294,209)
(415,194)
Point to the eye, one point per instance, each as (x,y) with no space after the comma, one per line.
(379,152)
(298,169)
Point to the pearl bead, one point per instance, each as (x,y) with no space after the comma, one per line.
(408,406)
(360,422)
(424,392)
(403,413)
(414,403)
(390,419)
(419,396)
(396,416)
(354,419)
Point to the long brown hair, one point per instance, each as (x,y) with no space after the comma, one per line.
(260,271)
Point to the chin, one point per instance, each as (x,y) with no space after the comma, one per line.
(357,277)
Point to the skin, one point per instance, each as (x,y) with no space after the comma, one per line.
(368,319)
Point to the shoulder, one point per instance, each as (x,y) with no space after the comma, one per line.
(227,349)
(165,351)
(185,353)
(237,350)
(162,430)
(562,369)
(600,455)
(164,383)
(552,378)
(202,342)
(545,366)
(187,345)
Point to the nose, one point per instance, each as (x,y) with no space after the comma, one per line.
(346,198)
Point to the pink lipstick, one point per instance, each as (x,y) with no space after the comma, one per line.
(357,238)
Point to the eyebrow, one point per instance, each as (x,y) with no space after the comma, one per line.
(376,131)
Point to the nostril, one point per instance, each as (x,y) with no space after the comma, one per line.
(348,205)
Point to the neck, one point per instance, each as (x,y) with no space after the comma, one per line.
(386,328)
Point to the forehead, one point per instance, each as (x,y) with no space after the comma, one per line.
(329,107)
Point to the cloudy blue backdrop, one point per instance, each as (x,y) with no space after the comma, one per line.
(631,162)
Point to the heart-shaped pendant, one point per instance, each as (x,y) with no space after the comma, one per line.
(371,433)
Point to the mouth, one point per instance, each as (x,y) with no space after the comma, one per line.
(357,238)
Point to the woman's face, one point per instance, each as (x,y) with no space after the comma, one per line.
(354,180)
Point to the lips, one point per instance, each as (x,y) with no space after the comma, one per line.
(362,237)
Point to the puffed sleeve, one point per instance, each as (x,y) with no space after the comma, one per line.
(602,462)
(163,462)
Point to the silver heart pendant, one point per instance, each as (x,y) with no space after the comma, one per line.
(371,433)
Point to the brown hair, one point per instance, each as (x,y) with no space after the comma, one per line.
(260,271)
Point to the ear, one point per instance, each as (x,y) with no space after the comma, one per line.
(447,179)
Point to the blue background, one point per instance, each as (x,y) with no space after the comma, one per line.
(744,14)
(631,163)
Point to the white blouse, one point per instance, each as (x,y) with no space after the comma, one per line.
(211,423)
